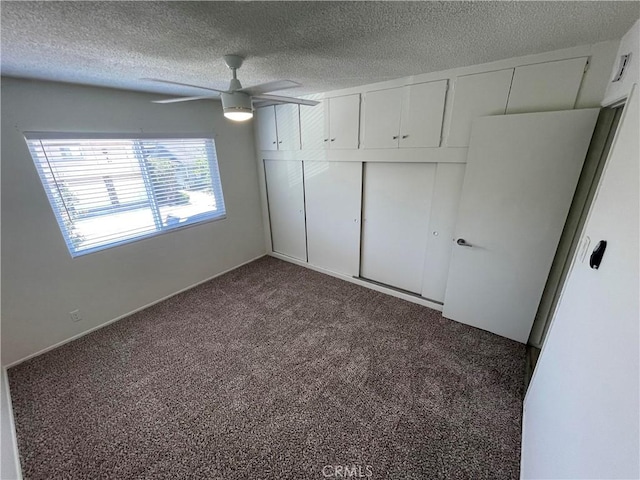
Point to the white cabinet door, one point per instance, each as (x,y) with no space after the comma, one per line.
(333,191)
(344,121)
(314,126)
(444,211)
(288,127)
(285,196)
(521,174)
(476,96)
(581,411)
(422,114)
(546,86)
(397,205)
(381,118)
(266,128)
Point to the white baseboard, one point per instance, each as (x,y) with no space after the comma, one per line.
(373,286)
(108,322)
(9,423)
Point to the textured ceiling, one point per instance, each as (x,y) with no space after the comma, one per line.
(323,45)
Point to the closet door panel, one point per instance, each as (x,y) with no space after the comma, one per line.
(476,96)
(546,86)
(444,211)
(333,191)
(314,126)
(288,125)
(285,195)
(397,205)
(266,128)
(344,121)
(381,117)
(422,114)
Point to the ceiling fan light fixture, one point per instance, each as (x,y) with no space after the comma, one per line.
(237,106)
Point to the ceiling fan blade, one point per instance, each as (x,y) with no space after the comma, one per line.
(182,84)
(184,99)
(279,99)
(270,87)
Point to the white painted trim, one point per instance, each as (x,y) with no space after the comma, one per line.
(422,155)
(12,424)
(97,327)
(362,283)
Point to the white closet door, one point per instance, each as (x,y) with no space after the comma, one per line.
(285,195)
(314,126)
(266,128)
(397,205)
(422,114)
(381,117)
(333,191)
(476,96)
(521,174)
(444,212)
(546,86)
(288,125)
(344,121)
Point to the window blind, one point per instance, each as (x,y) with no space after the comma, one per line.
(109,191)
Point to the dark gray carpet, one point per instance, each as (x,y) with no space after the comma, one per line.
(274,371)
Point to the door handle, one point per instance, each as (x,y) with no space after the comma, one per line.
(598,253)
(463,243)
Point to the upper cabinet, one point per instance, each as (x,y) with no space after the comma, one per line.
(334,124)
(288,126)
(266,128)
(278,128)
(476,96)
(546,86)
(406,117)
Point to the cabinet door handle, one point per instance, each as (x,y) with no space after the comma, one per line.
(280,141)
(273,143)
(395,137)
(405,136)
(326,139)
(333,139)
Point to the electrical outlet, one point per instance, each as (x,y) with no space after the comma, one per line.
(75,315)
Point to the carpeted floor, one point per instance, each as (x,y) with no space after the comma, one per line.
(274,371)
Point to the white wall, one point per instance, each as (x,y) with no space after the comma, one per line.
(41,283)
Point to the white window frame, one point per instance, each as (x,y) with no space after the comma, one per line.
(160,228)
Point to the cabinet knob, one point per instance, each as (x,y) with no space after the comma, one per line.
(395,137)
(405,136)
(273,143)
(333,139)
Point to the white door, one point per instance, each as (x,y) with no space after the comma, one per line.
(442,223)
(381,117)
(422,114)
(521,174)
(344,121)
(288,127)
(581,411)
(285,196)
(333,191)
(266,128)
(397,205)
(314,128)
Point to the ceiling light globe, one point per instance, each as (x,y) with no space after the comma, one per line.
(237,106)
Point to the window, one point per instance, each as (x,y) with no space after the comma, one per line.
(109,191)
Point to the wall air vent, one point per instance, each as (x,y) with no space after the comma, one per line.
(624,63)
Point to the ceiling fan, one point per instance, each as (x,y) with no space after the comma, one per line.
(238,102)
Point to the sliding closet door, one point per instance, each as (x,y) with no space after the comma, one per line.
(396,209)
(285,194)
(332,193)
